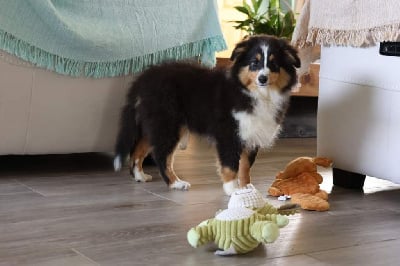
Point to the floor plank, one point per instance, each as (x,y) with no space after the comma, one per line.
(75,210)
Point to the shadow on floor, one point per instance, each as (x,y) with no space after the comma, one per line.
(55,163)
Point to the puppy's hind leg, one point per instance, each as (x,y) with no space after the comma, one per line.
(164,157)
(175,181)
(140,151)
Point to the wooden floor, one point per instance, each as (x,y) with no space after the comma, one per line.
(74,210)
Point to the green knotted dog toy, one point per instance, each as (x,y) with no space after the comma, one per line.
(247,222)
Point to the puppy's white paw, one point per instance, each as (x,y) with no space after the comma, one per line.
(117,163)
(140,176)
(230,187)
(180,185)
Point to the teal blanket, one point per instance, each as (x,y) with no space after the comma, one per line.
(105,38)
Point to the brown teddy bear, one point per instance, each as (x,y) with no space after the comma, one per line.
(301,180)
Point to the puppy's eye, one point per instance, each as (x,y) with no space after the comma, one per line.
(273,66)
(254,63)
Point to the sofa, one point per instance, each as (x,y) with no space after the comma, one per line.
(42,112)
(66,66)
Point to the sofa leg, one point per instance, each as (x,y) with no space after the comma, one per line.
(346,179)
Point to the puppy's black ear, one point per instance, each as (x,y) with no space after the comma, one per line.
(292,56)
(239,48)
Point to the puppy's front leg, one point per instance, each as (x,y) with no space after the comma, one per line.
(228,176)
(228,165)
(247,158)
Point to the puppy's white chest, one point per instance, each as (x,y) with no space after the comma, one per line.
(259,127)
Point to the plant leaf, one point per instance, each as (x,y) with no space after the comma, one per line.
(274,4)
(250,9)
(274,21)
(242,9)
(256,4)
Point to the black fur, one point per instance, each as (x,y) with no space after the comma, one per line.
(171,96)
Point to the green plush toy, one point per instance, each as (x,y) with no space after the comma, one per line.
(247,222)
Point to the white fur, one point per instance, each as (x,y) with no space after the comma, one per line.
(180,185)
(265,70)
(117,163)
(259,128)
(264,49)
(140,176)
(230,187)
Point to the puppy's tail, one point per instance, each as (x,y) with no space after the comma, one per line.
(127,135)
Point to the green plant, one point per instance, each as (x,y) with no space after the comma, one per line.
(274,21)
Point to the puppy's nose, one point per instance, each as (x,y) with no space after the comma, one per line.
(262,79)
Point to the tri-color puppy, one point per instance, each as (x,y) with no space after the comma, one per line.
(240,109)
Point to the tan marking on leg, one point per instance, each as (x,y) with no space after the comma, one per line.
(174,181)
(244,169)
(137,157)
(227,174)
(170,169)
(141,151)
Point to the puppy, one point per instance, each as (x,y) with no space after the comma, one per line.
(240,109)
